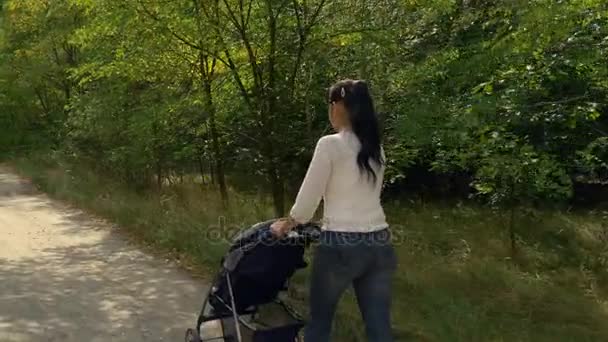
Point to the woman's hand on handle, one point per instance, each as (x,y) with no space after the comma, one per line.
(282,226)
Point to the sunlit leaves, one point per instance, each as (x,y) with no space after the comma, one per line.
(507,92)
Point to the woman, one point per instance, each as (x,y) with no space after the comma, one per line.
(346,170)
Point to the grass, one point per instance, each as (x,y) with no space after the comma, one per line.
(456,279)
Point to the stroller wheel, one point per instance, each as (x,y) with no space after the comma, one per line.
(192,336)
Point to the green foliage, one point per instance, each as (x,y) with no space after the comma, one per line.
(511,172)
(508,95)
(593,160)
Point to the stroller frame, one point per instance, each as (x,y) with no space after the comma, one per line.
(228,308)
(193,335)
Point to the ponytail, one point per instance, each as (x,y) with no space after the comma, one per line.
(360,107)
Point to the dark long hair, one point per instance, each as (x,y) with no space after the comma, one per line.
(358,102)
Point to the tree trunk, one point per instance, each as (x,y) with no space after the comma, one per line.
(270,95)
(212,171)
(278,192)
(215,144)
(201,168)
(512,204)
(512,235)
(206,72)
(159,175)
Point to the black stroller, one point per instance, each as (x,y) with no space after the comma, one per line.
(243,303)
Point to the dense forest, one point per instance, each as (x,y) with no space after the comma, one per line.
(501,99)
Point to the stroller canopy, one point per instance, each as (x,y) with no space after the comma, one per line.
(260,265)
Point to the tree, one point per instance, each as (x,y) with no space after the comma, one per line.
(151,90)
(512,175)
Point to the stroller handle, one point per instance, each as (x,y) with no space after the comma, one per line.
(306,231)
(309,232)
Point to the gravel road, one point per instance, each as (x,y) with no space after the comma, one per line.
(67,276)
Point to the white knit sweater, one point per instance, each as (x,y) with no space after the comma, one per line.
(351,199)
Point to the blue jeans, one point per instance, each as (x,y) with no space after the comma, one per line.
(365,260)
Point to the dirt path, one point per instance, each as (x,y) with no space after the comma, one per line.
(65,276)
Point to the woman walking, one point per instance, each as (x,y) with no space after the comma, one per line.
(347,170)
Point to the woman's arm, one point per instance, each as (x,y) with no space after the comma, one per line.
(315,181)
(311,190)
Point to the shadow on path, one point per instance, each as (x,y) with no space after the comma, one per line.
(67,277)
